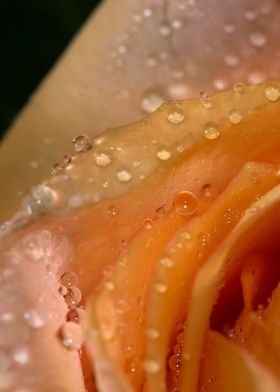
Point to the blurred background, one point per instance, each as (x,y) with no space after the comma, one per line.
(33,35)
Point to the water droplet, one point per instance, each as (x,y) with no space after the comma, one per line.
(211,131)
(69,279)
(163,155)
(231,60)
(166,262)
(174,362)
(57,169)
(235,116)
(136,164)
(102,159)
(71,335)
(176,24)
(185,203)
(124,176)
(109,285)
(164,29)
(21,355)
(150,366)
(258,39)
(39,199)
(152,333)
(34,319)
(149,224)
(62,290)
(73,296)
(152,101)
(5,361)
(75,315)
(239,88)
(176,116)
(82,143)
(272,93)
(147,12)
(160,288)
(206,101)
(185,235)
(67,159)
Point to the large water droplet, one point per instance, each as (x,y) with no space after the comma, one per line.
(71,335)
(69,279)
(185,203)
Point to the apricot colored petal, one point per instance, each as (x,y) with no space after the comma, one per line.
(110,68)
(117,310)
(189,249)
(259,218)
(229,368)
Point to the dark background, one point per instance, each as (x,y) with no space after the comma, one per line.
(32,35)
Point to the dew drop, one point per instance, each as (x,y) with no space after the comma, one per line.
(39,199)
(160,288)
(152,101)
(34,319)
(109,285)
(57,169)
(67,160)
(71,335)
(163,155)
(75,315)
(185,203)
(176,116)
(69,279)
(166,262)
(164,29)
(174,362)
(239,88)
(21,355)
(258,39)
(150,366)
(82,143)
(124,176)
(211,131)
(149,224)
(62,290)
(73,296)
(147,12)
(152,333)
(102,159)
(235,116)
(272,93)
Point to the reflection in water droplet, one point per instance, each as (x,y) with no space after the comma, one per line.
(258,39)
(272,93)
(235,116)
(82,143)
(71,335)
(152,101)
(166,262)
(69,279)
(185,203)
(34,319)
(211,131)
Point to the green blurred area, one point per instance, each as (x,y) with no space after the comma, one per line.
(33,33)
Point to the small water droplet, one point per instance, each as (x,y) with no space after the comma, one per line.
(73,296)
(62,290)
(75,315)
(272,93)
(176,116)
(258,39)
(235,116)
(39,199)
(136,164)
(57,169)
(67,160)
(163,155)
(231,60)
(82,143)
(71,335)
(102,159)
(185,203)
(239,88)
(147,12)
(164,29)
(210,131)
(69,279)
(185,235)
(152,333)
(34,319)
(150,366)
(174,362)
(166,262)
(149,224)
(21,355)
(109,285)
(160,288)
(151,101)
(124,176)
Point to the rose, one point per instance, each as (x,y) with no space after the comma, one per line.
(176,259)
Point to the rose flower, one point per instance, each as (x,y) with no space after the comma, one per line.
(149,260)
(155,263)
